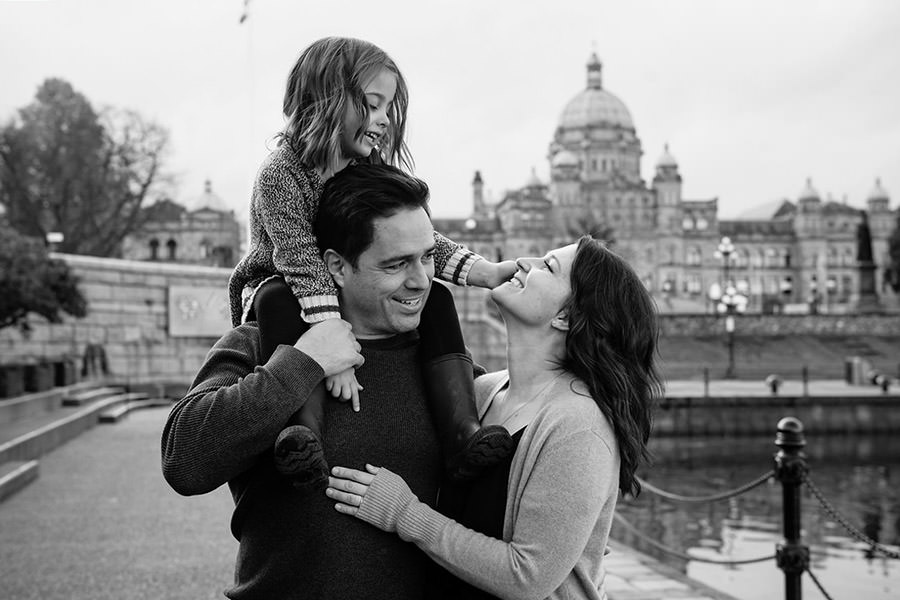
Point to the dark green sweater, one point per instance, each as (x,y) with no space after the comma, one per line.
(293,544)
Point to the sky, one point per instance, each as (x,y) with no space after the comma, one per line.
(752,97)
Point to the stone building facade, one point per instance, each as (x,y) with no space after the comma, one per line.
(793,254)
(207,235)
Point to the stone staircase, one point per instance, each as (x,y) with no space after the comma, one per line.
(34,424)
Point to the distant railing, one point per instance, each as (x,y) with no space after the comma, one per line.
(791,555)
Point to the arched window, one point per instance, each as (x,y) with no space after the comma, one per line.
(771,257)
(741,258)
(849,258)
(171,246)
(694,256)
(756,258)
(687,223)
(154,249)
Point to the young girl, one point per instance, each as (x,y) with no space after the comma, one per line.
(346,102)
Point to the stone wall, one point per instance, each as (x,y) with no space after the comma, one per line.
(886,325)
(128,316)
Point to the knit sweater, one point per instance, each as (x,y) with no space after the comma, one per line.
(563,487)
(292,543)
(283,207)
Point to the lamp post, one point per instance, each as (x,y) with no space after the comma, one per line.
(729,299)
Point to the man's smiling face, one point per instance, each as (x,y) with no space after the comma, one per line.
(385,292)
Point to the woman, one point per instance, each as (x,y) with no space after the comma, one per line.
(577,396)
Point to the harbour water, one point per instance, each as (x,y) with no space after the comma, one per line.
(858,476)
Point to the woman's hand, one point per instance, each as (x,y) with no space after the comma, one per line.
(349,487)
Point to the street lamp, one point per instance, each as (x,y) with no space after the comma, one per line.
(729,299)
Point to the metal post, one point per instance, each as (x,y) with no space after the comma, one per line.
(729,327)
(805,381)
(706,382)
(791,556)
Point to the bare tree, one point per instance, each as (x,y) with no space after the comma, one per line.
(66,168)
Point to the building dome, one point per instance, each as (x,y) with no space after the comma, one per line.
(209,199)
(808,192)
(878,192)
(563,159)
(534,180)
(666,159)
(594,106)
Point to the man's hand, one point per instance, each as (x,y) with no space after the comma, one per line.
(331,344)
(489,275)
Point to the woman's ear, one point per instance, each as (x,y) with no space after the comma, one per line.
(560,321)
(335,264)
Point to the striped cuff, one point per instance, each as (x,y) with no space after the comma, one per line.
(316,309)
(458,266)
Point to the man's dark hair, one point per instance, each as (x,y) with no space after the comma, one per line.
(355,197)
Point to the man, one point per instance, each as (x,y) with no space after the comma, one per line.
(293,544)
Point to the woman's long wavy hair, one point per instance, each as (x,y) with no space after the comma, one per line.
(611,346)
(330,76)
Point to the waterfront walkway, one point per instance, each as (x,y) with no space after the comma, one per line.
(101,523)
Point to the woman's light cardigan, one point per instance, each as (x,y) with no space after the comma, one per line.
(563,487)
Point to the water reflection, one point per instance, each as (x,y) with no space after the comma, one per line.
(857,475)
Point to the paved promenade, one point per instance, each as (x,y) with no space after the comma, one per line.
(101,523)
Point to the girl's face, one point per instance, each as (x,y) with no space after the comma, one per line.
(539,288)
(379,93)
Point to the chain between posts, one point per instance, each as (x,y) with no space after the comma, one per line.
(853,531)
(712,497)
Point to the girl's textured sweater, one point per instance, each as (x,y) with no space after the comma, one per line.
(563,488)
(283,207)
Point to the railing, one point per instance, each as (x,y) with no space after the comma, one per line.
(791,555)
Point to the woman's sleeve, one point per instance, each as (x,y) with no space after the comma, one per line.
(557,513)
(452,261)
(287,211)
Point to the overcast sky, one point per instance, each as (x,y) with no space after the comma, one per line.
(752,97)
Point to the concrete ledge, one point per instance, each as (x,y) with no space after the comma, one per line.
(16,475)
(117,412)
(29,405)
(88,396)
(44,439)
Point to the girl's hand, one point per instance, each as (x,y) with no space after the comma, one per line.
(344,386)
(349,487)
(489,275)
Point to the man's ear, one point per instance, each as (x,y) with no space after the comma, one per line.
(336,265)
(560,321)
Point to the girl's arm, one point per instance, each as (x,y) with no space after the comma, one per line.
(568,488)
(287,210)
(454,263)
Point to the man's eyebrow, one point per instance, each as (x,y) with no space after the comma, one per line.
(393,259)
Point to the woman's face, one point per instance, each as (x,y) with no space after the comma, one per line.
(539,288)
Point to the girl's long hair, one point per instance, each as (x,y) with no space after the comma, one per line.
(328,77)
(611,346)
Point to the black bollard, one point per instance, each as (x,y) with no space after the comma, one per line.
(805,381)
(791,556)
(706,382)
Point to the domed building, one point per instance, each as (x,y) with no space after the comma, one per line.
(205,232)
(787,255)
